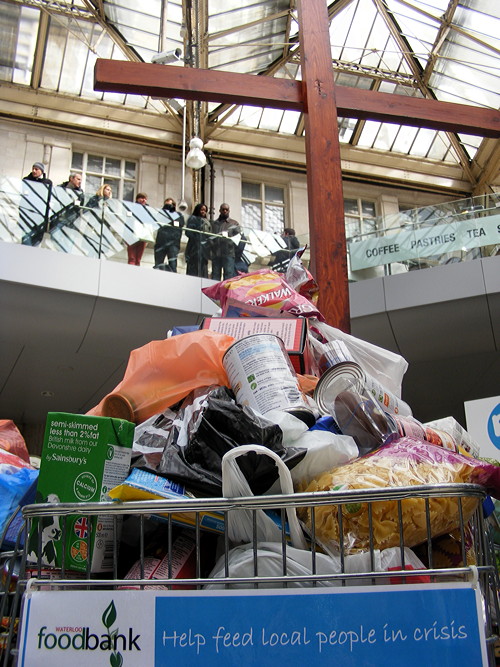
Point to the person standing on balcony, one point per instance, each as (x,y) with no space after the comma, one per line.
(37,175)
(136,250)
(168,238)
(282,257)
(196,252)
(74,183)
(101,196)
(223,248)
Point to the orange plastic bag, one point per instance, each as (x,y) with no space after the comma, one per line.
(162,372)
(12,441)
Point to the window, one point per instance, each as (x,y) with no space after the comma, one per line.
(97,170)
(263,207)
(360,218)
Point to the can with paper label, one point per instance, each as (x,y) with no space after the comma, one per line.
(261,375)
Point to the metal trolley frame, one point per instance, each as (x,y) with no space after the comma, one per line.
(16,571)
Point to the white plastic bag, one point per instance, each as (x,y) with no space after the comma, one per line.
(385,366)
(240,522)
(324,450)
(241,563)
(269,555)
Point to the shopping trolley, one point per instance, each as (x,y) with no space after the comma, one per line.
(329,613)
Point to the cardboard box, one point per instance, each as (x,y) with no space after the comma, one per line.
(292,331)
(145,485)
(83,457)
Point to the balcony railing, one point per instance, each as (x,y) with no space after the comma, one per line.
(58,219)
(430,236)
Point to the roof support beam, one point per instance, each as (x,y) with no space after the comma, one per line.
(228,87)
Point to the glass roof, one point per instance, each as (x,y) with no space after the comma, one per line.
(439,49)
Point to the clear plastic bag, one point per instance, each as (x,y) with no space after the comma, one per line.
(407,462)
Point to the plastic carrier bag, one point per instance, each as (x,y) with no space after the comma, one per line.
(385,366)
(12,441)
(269,555)
(211,423)
(163,372)
(240,522)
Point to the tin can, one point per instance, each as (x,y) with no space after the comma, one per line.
(409,426)
(332,354)
(344,376)
(385,398)
(336,377)
(261,375)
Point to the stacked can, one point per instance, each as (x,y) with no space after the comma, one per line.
(338,370)
(409,426)
(262,376)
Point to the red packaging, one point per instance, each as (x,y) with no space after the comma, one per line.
(183,565)
(262,288)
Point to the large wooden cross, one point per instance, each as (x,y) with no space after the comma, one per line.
(322,102)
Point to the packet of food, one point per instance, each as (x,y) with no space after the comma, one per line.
(264,288)
(407,462)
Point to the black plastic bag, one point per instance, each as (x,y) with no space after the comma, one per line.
(220,425)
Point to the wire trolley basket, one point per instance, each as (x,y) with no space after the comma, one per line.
(375,576)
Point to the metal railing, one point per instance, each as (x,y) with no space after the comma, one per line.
(61,220)
(473,559)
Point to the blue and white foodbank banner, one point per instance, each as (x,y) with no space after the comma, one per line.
(411,625)
(425,242)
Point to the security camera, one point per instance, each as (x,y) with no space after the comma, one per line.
(182,206)
(166,57)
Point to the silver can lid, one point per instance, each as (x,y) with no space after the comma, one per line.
(342,377)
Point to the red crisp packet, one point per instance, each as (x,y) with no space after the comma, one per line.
(264,288)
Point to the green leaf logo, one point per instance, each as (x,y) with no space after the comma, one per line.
(116,660)
(109,616)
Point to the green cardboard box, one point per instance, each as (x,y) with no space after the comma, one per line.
(83,457)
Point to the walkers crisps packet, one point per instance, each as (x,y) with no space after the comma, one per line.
(264,288)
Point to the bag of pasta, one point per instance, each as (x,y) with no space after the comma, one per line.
(407,462)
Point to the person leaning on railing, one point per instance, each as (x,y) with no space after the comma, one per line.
(196,249)
(74,183)
(101,196)
(281,258)
(168,238)
(37,175)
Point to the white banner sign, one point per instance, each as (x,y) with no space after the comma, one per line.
(425,242)
(411,625)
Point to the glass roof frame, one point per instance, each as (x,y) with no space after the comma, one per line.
(442,49)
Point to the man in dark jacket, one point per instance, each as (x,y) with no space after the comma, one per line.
(282,257)
(74,183)
(222,247)
(168,238)
(37,175)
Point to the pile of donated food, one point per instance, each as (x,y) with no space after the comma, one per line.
(266,383)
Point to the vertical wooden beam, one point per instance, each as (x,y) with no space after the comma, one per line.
(324,174)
